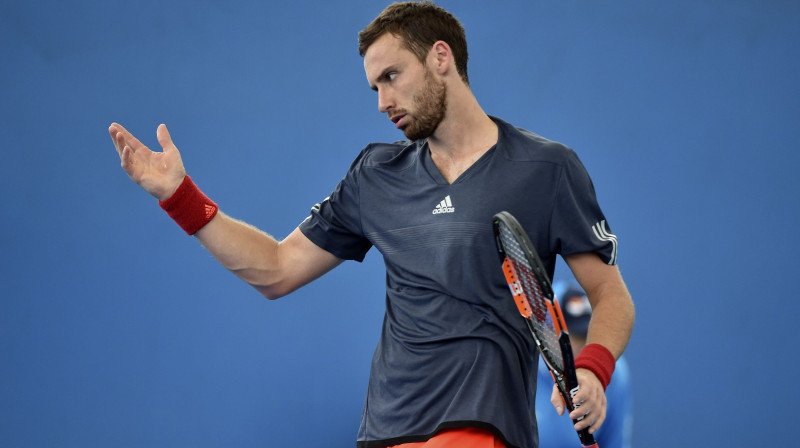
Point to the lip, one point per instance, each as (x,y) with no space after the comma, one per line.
(398,120)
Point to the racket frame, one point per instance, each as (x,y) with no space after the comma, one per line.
(564,374)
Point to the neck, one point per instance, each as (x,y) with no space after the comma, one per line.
(463,136)
(465,128)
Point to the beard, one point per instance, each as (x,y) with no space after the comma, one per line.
(430,105)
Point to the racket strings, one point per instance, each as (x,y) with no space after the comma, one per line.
(541,319)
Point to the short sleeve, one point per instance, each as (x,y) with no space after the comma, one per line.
(335,223)
(578,224)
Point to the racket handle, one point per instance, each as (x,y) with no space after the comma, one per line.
(587,440)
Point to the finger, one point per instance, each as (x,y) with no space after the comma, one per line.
(597,423)
(164,139)
(590,414)
(126,137)
(590,389)
(581,409)
(592,421)
(583,406)
(557,400)
(126,160)
(115,130)
(117,138)
(119,142)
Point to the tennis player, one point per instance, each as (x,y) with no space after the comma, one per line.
(455,365)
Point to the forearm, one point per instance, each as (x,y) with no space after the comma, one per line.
(612,307)
(612,318)
(249,253)
(274,268)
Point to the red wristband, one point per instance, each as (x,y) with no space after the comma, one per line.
(598,360)
(189,207)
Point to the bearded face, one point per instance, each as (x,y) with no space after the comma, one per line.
(429,107)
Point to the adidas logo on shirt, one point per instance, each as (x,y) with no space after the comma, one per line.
(446,206)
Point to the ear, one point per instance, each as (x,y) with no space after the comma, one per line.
(440,58)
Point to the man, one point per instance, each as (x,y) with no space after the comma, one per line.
(555,431)
(455,365)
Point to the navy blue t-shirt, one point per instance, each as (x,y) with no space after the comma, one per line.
(454,350)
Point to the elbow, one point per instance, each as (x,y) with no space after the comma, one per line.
(274,291)
(270,295)
(267,283)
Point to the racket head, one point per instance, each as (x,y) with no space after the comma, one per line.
(531,288)
(533,294)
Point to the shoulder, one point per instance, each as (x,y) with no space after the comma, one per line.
(520,144)
(387,154)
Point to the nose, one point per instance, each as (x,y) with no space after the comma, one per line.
(385,103)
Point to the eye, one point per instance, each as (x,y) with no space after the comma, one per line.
(385,78)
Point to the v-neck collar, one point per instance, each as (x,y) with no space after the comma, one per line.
(433,170)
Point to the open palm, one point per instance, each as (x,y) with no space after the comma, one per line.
(158,173)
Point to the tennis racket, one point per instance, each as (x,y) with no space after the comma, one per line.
(533,295)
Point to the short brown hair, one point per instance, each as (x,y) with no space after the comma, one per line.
(419,24)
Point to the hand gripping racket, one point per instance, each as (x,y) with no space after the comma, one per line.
(533,294)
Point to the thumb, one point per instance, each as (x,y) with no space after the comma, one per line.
(164,138)
(170,165)
(557,400)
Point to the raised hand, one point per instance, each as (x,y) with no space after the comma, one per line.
(158,173)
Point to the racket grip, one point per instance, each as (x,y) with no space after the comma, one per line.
(587,440)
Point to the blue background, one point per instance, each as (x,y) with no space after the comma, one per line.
(116,329)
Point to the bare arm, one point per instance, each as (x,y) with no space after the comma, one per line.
(610,326)
(612,307)
(274,268)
